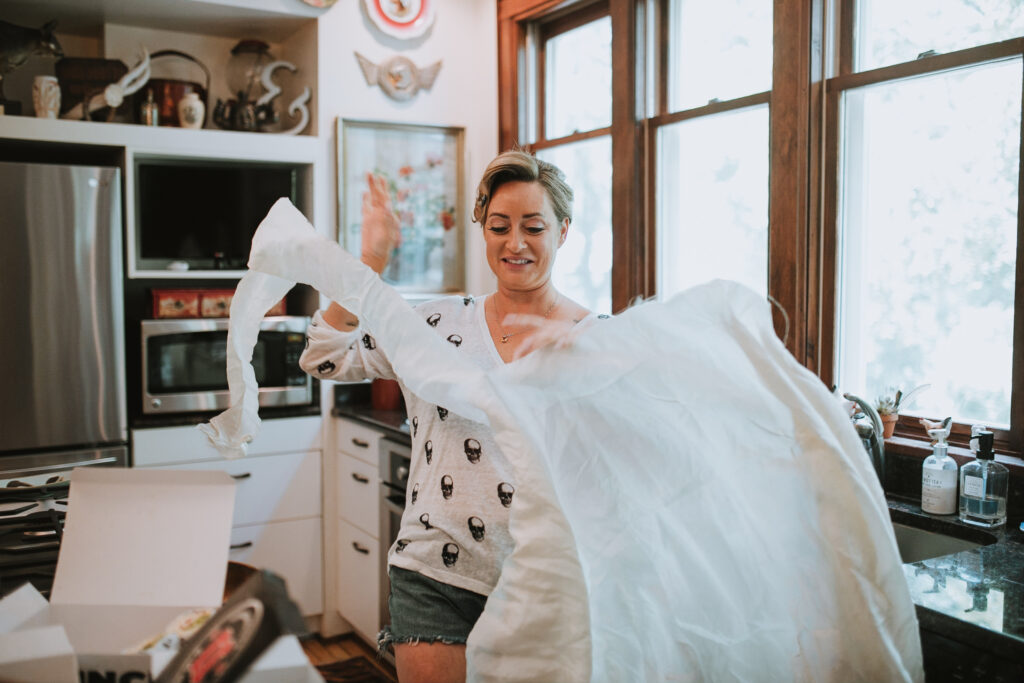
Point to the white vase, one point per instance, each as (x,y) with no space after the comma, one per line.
(46,97)
(191,111)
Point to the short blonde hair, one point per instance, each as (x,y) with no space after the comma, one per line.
(517,165)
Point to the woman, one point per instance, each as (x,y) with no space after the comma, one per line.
(454,533)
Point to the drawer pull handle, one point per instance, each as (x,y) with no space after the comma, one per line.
(244,475)
(239,546)
(360,443)
(361,479)
(360,549)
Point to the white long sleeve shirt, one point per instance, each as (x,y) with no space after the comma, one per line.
(460,488)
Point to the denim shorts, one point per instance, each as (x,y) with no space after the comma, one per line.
(427,611)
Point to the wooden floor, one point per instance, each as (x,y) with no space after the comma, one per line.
(326,651)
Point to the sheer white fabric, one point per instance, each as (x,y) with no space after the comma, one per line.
(692,504)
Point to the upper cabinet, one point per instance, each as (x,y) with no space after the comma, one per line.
(196,38)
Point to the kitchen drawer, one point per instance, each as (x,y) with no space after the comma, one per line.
(359,580)
(358,440)
(176,445)
(271,487)
(289,549)
(359,494)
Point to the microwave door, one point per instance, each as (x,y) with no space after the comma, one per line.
(62,348)
(184,365)
(186,371)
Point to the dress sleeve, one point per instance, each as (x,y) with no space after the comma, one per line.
(343,356)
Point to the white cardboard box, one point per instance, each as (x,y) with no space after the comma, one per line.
(139,548)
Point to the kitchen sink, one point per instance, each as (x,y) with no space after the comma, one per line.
(920,544)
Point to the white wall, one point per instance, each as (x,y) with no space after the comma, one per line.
(465,94)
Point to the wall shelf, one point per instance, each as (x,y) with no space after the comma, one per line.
(275,20)
(157,141)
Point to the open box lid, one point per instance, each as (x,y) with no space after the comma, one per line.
(145,537)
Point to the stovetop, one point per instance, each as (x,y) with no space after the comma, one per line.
(31,527)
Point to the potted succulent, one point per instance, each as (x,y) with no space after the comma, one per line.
(888,406)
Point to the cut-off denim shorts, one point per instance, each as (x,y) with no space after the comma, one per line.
(427,611)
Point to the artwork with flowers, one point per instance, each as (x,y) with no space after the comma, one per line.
(423,169)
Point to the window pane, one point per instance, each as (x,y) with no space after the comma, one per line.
(713,201)
(894,31)
(583,267)
(929,225)
(718,49)
(578,80)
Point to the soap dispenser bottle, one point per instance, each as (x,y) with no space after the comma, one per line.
(983,487)
(938,475)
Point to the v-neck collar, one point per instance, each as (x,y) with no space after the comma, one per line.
(486,331)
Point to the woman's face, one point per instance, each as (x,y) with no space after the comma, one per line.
(522,235)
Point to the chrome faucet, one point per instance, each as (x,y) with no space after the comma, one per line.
(870,435)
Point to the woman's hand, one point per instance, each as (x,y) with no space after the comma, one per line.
(545,332)
(381,231)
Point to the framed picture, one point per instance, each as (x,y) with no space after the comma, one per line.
(423,166)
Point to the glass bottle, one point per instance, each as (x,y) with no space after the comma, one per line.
(150,111)
(983,487)
(938,476)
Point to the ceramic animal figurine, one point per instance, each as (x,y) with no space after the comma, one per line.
(18,43)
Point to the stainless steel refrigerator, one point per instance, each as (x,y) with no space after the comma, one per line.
(62,385)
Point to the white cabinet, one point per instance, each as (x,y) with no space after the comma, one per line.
(358,493)
(277,522)
(358,440)
(359,566)
(359,560)
(290,549)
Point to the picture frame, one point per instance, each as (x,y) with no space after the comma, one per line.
(424,168)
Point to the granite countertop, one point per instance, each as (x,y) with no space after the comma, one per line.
(976,596)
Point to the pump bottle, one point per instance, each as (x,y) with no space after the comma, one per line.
(938,475)
(983,487)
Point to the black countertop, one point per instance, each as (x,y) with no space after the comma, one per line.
(975,597)
(394,423)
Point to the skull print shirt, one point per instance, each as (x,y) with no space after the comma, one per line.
(460,488)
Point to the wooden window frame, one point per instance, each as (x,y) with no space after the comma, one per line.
(911,434)
(632,250)
(803,150)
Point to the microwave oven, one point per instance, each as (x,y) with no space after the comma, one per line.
(184,364)
(199,214)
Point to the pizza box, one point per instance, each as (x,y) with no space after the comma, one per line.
(139,548)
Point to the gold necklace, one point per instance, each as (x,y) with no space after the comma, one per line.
(505,336)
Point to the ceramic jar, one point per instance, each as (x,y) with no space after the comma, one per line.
(46,97)
(191,111)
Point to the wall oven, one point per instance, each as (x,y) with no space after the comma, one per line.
(394,475)
(184,361)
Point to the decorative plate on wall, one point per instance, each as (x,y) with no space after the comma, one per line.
(401,18)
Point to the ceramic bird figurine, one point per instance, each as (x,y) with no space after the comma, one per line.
(18,43)
(398,77)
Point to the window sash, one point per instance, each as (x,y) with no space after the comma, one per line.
(1006,440)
